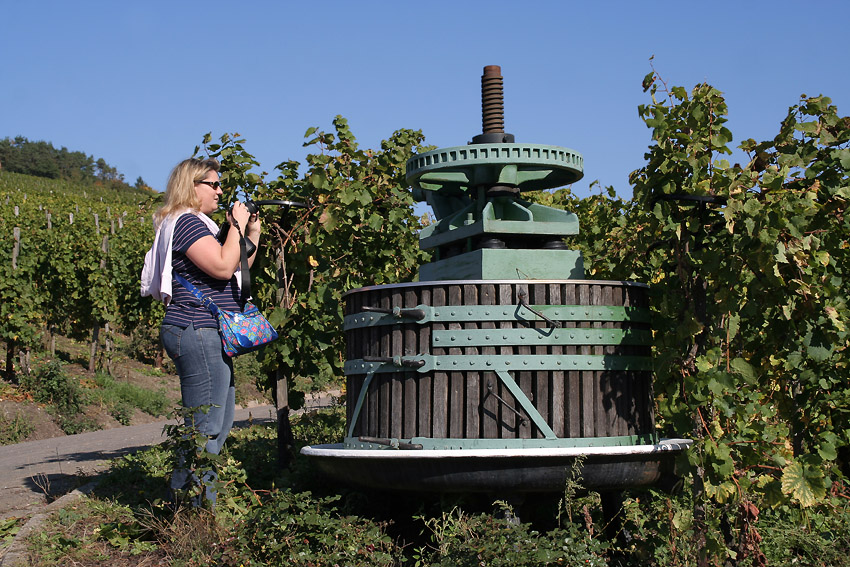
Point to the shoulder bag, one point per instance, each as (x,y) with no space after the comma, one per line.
(243,331)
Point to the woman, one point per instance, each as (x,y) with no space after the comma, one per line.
(186,244)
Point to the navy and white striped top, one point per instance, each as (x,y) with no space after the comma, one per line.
(184,309)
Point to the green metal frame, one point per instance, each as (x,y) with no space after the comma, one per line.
(539,337)
(499,313)
(359,405)
(494,362)
(530,167)
(526,405)
(499,216)
(506,263)
(447,443)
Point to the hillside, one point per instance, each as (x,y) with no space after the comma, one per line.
(80,345)
(136,392)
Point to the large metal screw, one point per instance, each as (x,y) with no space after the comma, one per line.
(492,101)
(492,108)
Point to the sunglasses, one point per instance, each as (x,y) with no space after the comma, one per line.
(213,184)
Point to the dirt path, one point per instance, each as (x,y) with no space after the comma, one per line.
(31,471)
(35,472)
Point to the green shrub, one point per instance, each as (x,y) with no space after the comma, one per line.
(143,344)
(50,385)
(794,536)
(459,539)
(320,426)
(14,430)
(301,530)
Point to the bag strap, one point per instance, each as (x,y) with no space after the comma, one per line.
(246,278)
(205,301)
(243,257)
(245,269)
(243,263)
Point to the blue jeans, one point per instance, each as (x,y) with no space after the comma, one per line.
(206,379)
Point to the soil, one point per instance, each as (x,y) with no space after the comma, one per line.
(16,403)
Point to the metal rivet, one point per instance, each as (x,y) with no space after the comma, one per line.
(469,312)
(454,338)
(487,313)
(472,363)
(504,337)
(486,337)
(559,363)
(453,313)
(572,335)
(525,362)
(371,318)
(507,363)
(522,337)
(489,363)
(436,339)
(454,362)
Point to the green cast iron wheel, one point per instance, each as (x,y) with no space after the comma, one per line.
(530,167)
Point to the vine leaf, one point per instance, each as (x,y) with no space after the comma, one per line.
(807,489)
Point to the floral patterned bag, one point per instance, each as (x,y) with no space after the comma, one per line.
(240,332)
(244,332)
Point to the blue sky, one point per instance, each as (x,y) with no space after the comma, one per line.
(139,83)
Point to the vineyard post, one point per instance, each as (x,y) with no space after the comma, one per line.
(16,232)
(10,344)
(285,441)
(95,336)
(51,326)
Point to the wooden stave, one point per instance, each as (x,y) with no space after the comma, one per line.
(575,404)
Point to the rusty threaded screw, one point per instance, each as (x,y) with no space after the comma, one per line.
(492,101)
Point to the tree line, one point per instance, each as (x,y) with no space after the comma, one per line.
(42,159)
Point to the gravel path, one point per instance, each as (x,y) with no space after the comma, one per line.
(30,471)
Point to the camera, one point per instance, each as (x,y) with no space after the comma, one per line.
(254,208)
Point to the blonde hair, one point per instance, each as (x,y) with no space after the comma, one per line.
(180,190)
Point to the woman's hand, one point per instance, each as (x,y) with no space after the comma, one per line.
(239,213)
(254,225)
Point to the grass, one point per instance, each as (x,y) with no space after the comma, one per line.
(267,516)
(121,398)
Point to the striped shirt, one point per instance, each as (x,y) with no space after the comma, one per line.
(184,309)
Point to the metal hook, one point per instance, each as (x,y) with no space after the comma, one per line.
(523,303)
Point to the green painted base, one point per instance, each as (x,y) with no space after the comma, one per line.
(437,444)
(506,264)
